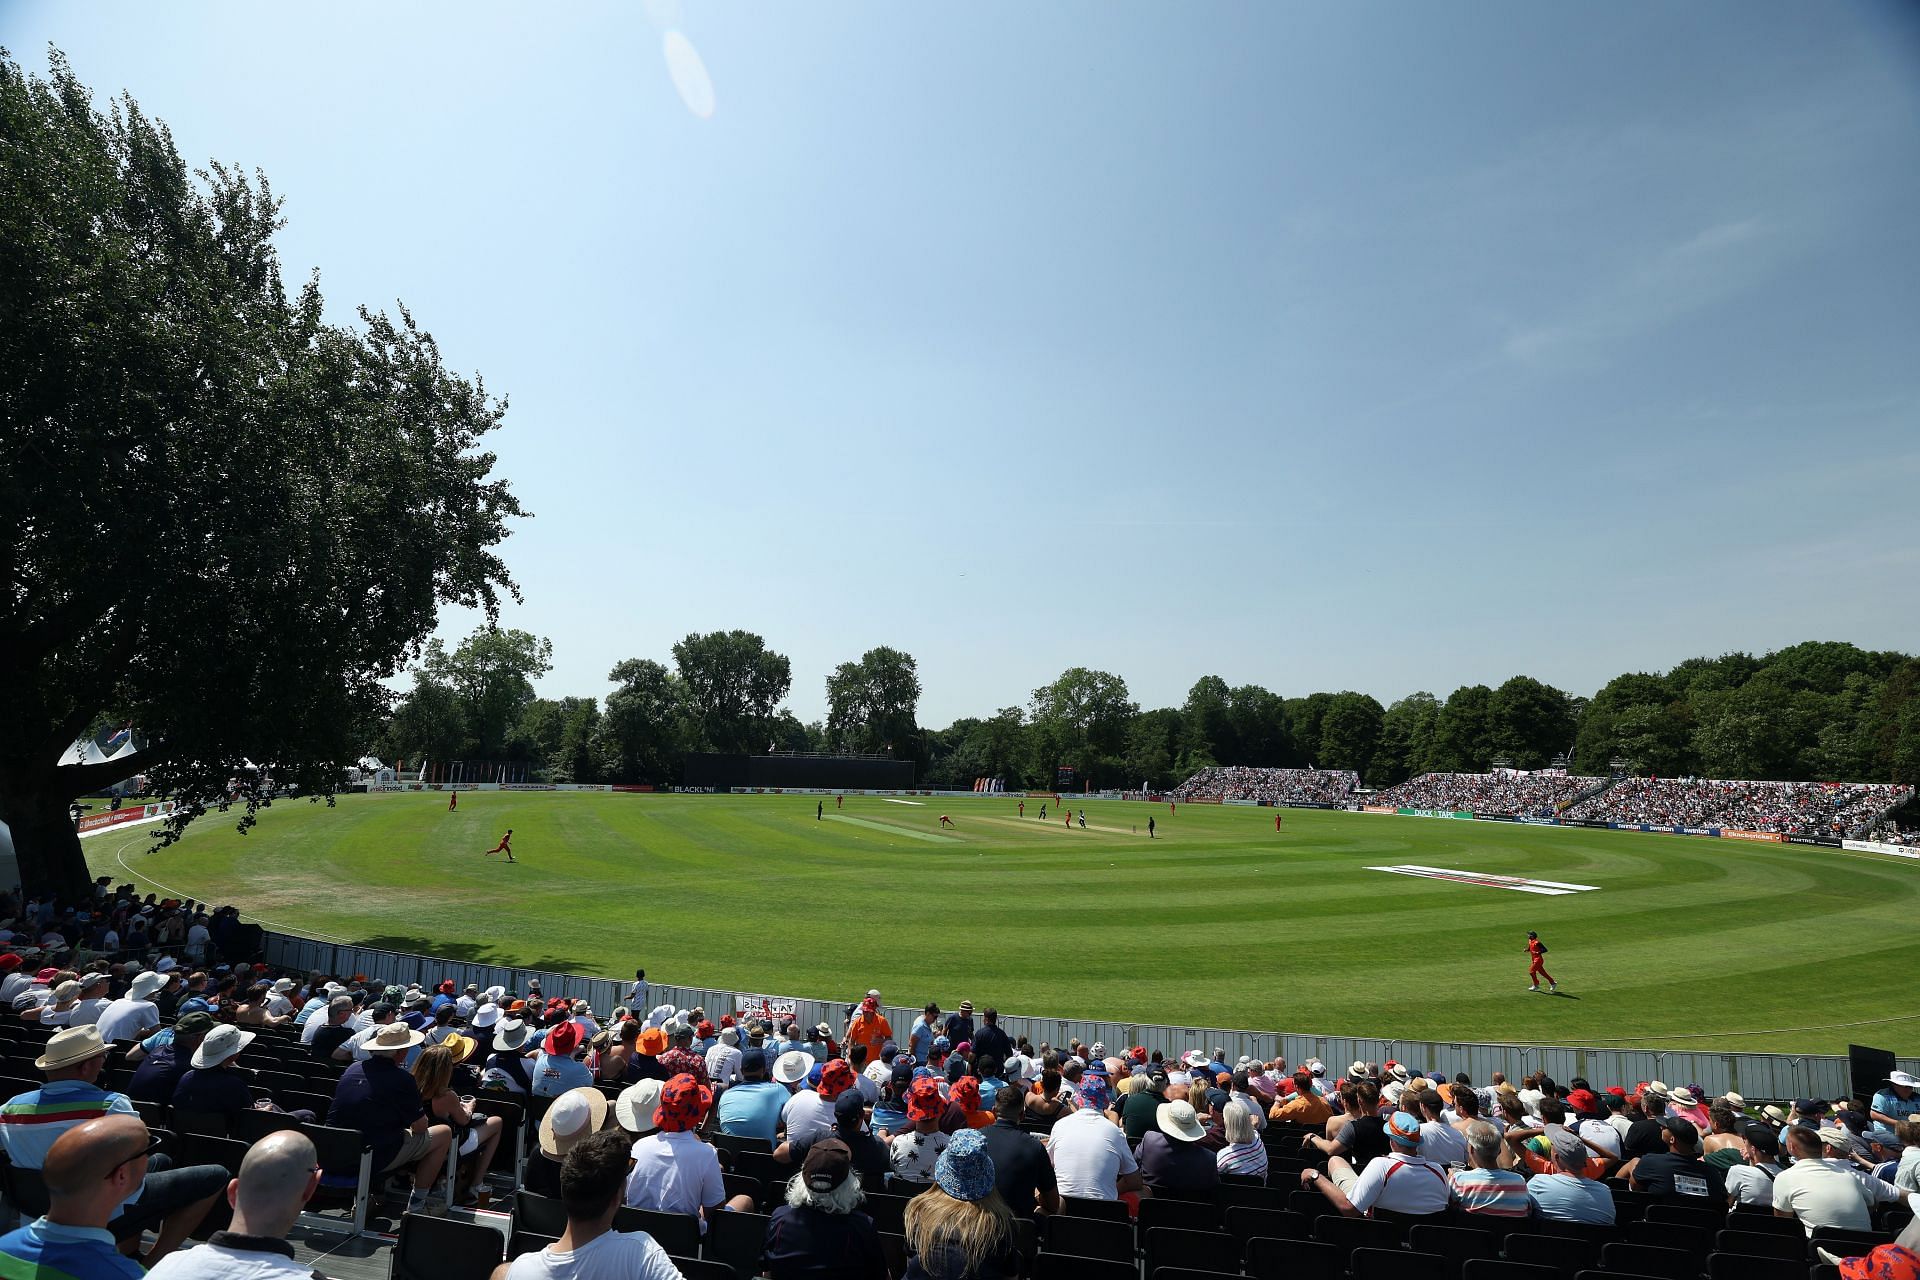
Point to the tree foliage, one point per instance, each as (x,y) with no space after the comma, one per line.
(872,703)
(221,517)
(733,685)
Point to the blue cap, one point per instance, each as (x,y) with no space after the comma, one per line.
(753,1060)
(1403,1128)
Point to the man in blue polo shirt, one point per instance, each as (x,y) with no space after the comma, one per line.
(89,1172)
(751,1109)
(380,1100)
(172,1201)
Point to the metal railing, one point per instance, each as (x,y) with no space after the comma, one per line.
(1754,1075)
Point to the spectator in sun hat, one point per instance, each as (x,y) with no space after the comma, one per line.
(681,1058)
(212,1086)
(132,1015)
(869,1027)
(507,1064)
(1899,1101)
(914,1152)
(575,1116)
(635,1107)
(160,1068)
(723,1059)
(820,1230)
(1402,1182)
(555,1069)
(890,1111)
(1093,1093)
(673,1170)
(960,1228)
(591,1183)
(809,1112)
(380,1100)
(751,1108)
(964,1094)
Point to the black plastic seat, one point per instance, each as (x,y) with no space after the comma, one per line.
(1648,1260)
(444,1249)
(1741,1266)
(677,1233)
(1201,1250)
(1271,1259)
(1087,1237)
(1081,1207)
(1763,1244)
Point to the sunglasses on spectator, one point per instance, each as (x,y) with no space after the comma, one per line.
(153,1145)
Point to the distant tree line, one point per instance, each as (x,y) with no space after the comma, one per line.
(1819,710)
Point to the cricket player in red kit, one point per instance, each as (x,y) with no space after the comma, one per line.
(453,802)
(505,846)
(1537,953)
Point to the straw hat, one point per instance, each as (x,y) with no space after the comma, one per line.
(462,1047)
(575,1114)
(635,1106)
(393,1037)
(70,1045)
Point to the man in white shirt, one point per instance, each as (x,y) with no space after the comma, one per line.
(1823,1189)
(197,939)
(279,999)
(132,1015)
(1440,1142)
(1091,1158)
(673,1170)
(592,1179)
(354,1047)
(1752,1181)
(723,1060)
(808,1114)
(93,1000)
(18,977)
(338,1011)
(1401,1182)
(277,1177)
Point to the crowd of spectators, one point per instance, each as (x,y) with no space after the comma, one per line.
(1270,786)
(1508,792)
(982,1128)
(1789,808)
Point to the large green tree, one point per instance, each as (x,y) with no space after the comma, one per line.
(491,673)
(734,684)
(1350,732)
(643,731)
(1081,719)
(1531,722)
(872,703)
(222,518)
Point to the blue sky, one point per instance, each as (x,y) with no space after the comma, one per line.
(1365,346)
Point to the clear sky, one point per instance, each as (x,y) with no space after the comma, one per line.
(1371,346)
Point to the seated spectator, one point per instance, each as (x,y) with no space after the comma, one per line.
(93,998)
(89,1172)
(1483,1187)
(1244,1153)
(633,1110)
(890,1108)
(1091,1158)
(555,1070)
(475,1137)
(723,1059)
(1440,1142)
(160,1069)
(914,1153)
(965,1094)
(1566,1194)
(1401,1183)
(751,1109)
(326,1032)
(1140,1108)
(870,1156)
(507,1066)
(278,1175)
(1046,1102)
(1303,1106)
(173,1201)
(808,1114)
(1823,1189)
(574,1116)
(133,1015)
(380,1100)
(820,1230)
(682,1059)
(673,1170)
(592,1181)
(1362,1135)
(212,1086)
(1898,1101)
(1751,1181)
(959,1228)
(1676,1171)
(1022,1173)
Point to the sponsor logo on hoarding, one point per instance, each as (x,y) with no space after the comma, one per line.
(1825,842)
(94,823)
(1768,837)
(1241,802)
(1875,846)
(1434,813)
(529,786)
(1538,822)
(778,1010)
(1495,817)
(1376,808)
(633,786)
(1520,884)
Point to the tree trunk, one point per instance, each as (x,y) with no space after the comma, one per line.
(45,843)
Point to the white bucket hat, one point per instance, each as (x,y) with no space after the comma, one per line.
(146,984)
(792,1066)
(222,1042)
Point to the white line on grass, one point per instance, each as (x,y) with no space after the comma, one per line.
(918,804)
(120,856)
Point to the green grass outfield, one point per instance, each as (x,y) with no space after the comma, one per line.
(1685,942)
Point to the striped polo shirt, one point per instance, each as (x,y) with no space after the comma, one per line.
(30,1122)
(1499,1193)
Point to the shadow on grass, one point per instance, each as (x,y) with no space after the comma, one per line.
(1564,995)
(479,953)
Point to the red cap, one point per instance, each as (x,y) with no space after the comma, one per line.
(9,962)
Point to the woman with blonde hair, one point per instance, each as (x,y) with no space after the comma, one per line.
(960,1228)
(475,1137)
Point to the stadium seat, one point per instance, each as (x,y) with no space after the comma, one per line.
(251,1126)
(1081,1207)
(1840,1240)
(1185,1215)
(1456,1244)
(1087,1237)
(1648,1260)
(214,1124)
(526,1242)
(1063,1266)
(1309,1204)
(1396,1264)
(701,1269)
(1192,1273)
(1272,1259)
(346,1178)
(1347,1234)
(1747,1218)
(1203,1250)
(737,1240)
(1738,1266)
(1597,1233)
(444,1249)
(1243,1224)
(1687,1215)
(1250,1195)
(537,1213)
(1763,1244)
(1495,1269)
(677,1233)
(1697,1241)
(1568,1255)
(889,1212)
